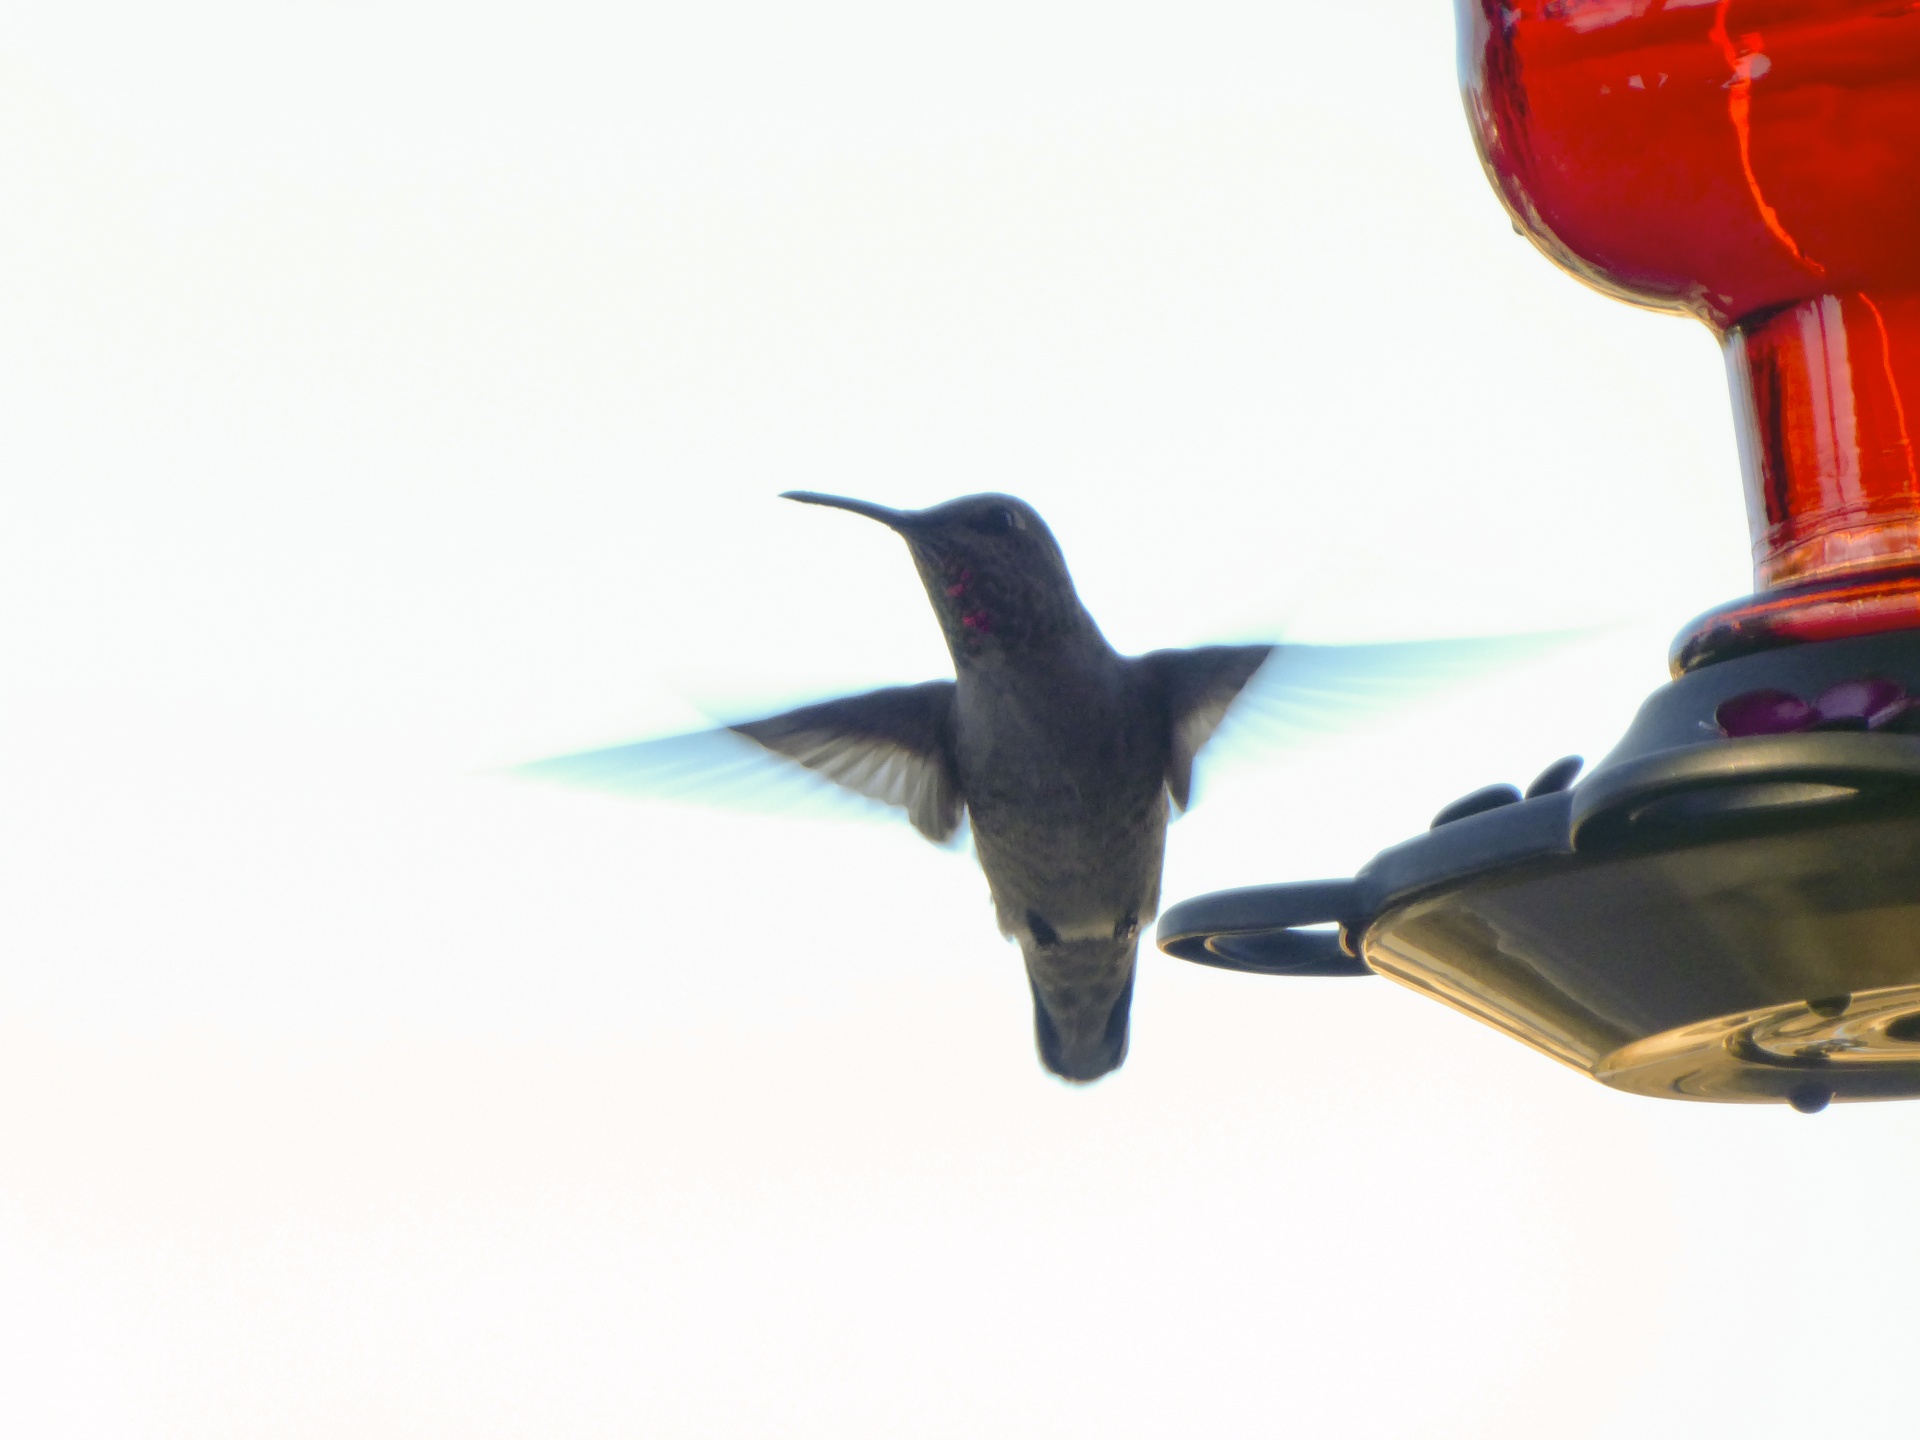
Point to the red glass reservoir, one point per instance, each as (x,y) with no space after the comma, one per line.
(1756,163)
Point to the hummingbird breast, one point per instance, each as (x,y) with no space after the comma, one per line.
(1064,778)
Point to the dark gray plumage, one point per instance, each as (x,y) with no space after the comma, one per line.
(1065,756)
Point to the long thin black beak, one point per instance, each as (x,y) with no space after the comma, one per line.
(893,519)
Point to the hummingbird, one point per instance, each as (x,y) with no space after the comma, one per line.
(1065,757)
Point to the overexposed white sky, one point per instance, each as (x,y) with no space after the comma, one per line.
(390,393)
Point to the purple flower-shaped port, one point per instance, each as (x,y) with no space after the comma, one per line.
(1865,704)
(1763,712)
(1860,705)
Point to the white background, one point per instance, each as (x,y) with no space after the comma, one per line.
(389,393)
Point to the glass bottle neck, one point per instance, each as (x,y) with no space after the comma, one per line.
(1826,396)
(1826,400)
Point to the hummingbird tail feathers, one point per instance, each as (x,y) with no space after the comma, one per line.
(1080,1023)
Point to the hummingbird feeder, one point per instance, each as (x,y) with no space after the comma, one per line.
(1727,907)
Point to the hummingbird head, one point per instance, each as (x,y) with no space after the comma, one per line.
(1082,996)
(991,567)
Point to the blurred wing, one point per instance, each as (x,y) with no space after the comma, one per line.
(1303,691)
(887,745)
(1197,687)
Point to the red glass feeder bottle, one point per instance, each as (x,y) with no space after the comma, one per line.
(1755,163)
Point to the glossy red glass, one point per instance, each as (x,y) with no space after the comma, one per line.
(1755,163)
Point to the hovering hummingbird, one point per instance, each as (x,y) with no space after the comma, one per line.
(1066,757)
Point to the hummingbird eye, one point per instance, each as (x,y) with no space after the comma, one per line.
(999,520)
